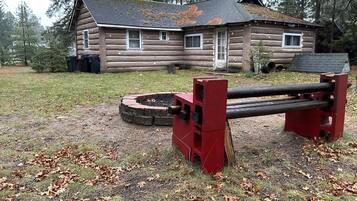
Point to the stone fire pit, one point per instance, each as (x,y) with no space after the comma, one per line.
(147,109)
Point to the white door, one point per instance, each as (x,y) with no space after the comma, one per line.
(221,49)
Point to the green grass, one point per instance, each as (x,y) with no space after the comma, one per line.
(23,91)
(28,92)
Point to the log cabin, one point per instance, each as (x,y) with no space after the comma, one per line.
(135,35)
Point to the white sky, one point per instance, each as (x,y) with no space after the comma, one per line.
(39,8)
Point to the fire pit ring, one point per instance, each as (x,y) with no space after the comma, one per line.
(147,109)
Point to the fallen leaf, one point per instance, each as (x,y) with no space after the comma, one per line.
(218,185)
(141,184)
(353,145)
(60,184)
(248,187)
(41,175)
(230,198)
(305,174)
(261,174)
(218,176)
(353,189)
(198,199)
(340,186)
(3,179)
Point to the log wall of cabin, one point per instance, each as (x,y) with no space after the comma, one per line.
(272,38)
(110,44)
(154,54)
(86,22)
(201,57)
(236,43)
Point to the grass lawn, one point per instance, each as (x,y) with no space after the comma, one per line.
(32,167)
(23,91)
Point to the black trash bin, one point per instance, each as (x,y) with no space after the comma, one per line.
(84,64)
(93,62)
(71,63)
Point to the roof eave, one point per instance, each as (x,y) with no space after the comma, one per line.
(73,13)
(138,27)
(75,9)
(287,23)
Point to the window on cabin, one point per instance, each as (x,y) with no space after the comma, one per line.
(193,41)
(86,39)
(292,40)
(164,35)
(134,39)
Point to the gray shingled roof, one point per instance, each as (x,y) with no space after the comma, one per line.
(321,63)
(160,15)
(131,13)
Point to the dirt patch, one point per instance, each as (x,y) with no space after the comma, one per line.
(260,146)
(102,123)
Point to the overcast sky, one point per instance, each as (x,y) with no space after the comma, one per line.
(39,8)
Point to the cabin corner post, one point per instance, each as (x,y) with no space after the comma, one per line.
(246,47)
(102,50)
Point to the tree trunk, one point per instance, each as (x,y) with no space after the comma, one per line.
(317,11)
(1,58)
(24,34)
(302,9)
(332,34)
(27,29)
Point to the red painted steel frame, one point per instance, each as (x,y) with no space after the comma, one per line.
(316,122)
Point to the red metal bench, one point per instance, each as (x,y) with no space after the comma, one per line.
(312,111)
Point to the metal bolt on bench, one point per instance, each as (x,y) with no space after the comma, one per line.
(312,111)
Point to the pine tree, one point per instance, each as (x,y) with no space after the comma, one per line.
(6,28)
(297,8)
(27,34)
(60,28)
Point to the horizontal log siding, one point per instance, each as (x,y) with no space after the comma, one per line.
(155,54)
(201,57)
(86,22)
(272,38)
(235,46)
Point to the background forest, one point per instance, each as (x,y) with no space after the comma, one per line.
(23,39)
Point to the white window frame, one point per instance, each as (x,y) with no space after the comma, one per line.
(167,35)
(194,48)
(127,40)
(84,39)
(293,46)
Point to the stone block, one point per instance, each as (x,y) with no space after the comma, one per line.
(127,117)
(144,120)
(163,120)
